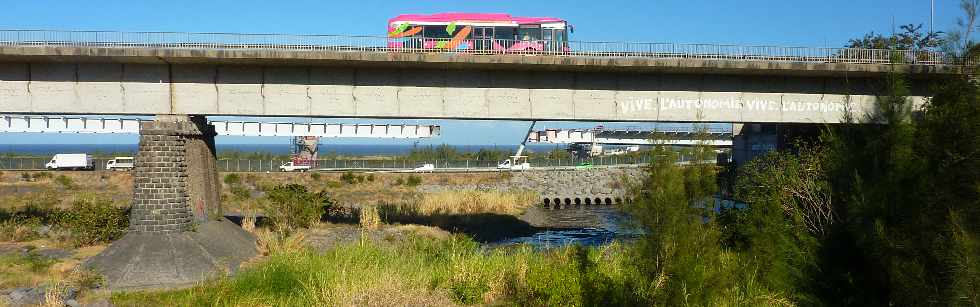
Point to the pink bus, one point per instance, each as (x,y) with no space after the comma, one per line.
(501,33)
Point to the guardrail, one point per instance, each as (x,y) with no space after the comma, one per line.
(344,43)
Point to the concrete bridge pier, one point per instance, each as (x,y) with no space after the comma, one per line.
(177,234)
(753,140)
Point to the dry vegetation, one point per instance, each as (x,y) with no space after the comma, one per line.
(62,188)
(473,202)
(370,189)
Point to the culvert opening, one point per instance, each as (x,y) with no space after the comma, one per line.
(588,201)
(568,201)
(609,201)
(557,202)
(598,201)
(547,202)
(578,201)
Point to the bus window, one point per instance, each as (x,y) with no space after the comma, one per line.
(435,32)
(505,33)
(529,33)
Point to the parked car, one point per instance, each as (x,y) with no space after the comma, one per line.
(120,164)
(293,167)
(71,161)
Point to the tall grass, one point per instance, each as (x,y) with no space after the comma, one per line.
(471,202)
(419,271)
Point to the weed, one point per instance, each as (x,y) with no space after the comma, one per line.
(25,176)
(233,179)
(369,218)
(315,176)
(292,206)
(348,178)
(334,184)
(94,221)
(399,181)
(370,178)
(240,192)
(66,182)
(413,181)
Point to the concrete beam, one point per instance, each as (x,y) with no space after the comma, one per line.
(315,91)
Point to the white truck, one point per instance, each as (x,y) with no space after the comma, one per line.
(120,164)
(71,161)
(293,167)
(509,164)
(518,162)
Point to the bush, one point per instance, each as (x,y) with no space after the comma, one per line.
(240,192)
(42,175)
(233,179)
(399,181)
(26,177)
(66,182)
(93,221)
(413,181)
(334,184)
(370,178)
(348,178)
(315,176)
(292,206)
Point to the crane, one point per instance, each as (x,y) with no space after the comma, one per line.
(519,161)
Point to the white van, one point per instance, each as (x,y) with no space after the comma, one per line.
(120,164)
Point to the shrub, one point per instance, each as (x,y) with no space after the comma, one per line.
(240,192)
(233,179)
(348,178)
(370,178)
(413,181)
(315,176)
(334,184)
(42,175)
(399,181)
(19,230)
(66,182)
(26,177)
(94,221)
(292,206)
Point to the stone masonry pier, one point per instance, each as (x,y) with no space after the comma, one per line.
(177,235)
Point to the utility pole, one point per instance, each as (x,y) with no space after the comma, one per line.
(932,17)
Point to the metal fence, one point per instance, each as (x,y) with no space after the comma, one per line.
(229,165)
(243,165)
(346,43)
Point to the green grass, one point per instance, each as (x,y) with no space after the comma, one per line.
(419,271)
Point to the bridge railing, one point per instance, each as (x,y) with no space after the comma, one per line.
(418,44)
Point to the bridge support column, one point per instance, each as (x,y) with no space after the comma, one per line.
(177,234)
(752,140)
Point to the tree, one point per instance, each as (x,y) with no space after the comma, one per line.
(911,38)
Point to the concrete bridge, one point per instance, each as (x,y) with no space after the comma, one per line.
(184,77)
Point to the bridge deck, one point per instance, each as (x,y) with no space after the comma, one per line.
(278,49)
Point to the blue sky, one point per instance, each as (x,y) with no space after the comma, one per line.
(826,23)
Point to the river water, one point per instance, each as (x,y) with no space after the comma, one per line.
(586,225)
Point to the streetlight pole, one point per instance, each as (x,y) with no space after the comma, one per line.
(932,17)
